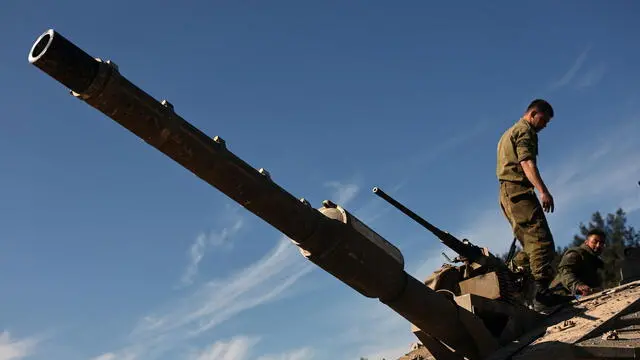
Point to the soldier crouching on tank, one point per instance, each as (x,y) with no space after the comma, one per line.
(519,177)
(578,268)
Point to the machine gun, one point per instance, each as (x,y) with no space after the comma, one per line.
(465,249)
(330,236)
(481,274)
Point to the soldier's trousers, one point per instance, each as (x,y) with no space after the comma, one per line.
(524,212)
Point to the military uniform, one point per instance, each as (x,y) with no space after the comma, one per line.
(579,266)
(518,199)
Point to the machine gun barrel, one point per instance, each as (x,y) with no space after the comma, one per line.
(329,237)
(467,250)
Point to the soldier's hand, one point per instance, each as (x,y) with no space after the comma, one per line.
(547,201)
(584,290)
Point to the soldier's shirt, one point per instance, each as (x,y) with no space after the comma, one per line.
(578,266)
(518,143)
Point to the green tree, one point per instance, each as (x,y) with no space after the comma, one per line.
(619,235)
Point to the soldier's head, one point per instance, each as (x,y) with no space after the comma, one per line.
(595,240)
(538,114)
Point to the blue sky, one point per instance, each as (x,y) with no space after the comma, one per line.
(110,250)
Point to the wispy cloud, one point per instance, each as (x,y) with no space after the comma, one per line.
(417,162)
(108,356)
(126,354)
(571,73)
(196,252)
(342,193)
(241,347)
(389,337)
(215,302)
(237,348)
(368,329)
(220,299)
(605,168)
(14,349)
(305,353)
(589,76)
(219,238)
(375,208)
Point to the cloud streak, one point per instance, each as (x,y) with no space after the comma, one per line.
(219,300)
(13,349)
(237,348)
(304,353)
(380,333)
(215,302)
(203,241)
(108,356)
(241,348)
(342,193)
(571,73)
(590,76)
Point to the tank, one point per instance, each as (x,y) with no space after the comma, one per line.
(473,310)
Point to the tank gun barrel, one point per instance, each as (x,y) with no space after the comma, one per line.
(100,85)
(469,251)
(330,237)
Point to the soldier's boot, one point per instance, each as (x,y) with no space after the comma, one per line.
(545,300)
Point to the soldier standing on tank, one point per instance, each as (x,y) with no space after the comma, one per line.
(578,268)
(519,177)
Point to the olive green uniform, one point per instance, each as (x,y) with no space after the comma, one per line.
(518,199)
(578,266)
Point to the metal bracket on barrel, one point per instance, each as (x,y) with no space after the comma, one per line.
(105,71)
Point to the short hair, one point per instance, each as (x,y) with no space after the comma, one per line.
(596,231)
(541,106)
